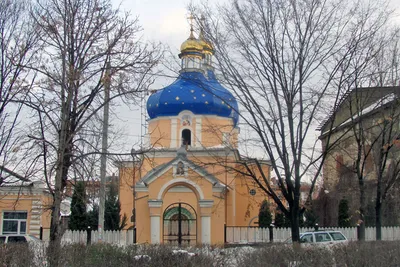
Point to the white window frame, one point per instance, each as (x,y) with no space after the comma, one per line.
(18,220)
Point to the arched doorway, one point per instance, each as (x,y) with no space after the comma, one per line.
(179,224)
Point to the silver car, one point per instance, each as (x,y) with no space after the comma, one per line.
(4,239)
(323,238)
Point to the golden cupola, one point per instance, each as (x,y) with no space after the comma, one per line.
(207,46)
(208,51)
(191,53)
(191,44)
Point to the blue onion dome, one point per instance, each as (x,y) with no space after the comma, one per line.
(192,90)
(224,96)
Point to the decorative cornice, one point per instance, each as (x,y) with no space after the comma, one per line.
(155,203)
(205,203)
(23,190)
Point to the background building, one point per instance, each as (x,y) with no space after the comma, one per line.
(365,131)
(24,208)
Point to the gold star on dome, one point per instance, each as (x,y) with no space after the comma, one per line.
(183,103)
(149,105)
(177,98)
(156,105)
(194,97)
(165,103)
(222,102)
(192,91)
(206,102)
(203,95)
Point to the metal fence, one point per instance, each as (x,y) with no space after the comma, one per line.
(234,234)
(238,234)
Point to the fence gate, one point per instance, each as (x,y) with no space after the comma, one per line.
(179,223)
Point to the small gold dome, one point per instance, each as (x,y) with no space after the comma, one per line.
(191,44)
(207,46)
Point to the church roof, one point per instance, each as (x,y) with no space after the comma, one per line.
(159,170)
(194,92)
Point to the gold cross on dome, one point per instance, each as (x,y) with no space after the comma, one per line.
(191,18)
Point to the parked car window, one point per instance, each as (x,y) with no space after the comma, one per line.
(322,237)
(307,238)
(16,239)
(337,236)
(2,239)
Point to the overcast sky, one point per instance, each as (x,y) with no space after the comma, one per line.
(166,22)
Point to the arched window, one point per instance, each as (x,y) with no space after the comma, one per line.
(186,137)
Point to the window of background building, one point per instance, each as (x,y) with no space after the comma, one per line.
(14,222)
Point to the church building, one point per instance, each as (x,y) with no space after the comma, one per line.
(190,184)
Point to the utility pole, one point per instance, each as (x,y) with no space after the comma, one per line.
(104,145)
(133,218)
(227,151)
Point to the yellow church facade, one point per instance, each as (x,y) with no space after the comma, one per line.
(189,184)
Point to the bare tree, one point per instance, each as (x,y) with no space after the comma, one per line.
(288,62)
(372,116)
(18,44)
(80,37)
(366,151)
(386,158)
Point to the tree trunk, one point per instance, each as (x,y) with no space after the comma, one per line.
(378,218)
(362,210)
(295,224)
(55,235)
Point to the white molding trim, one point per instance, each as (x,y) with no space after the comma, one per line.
(198,133)
(155,177)
(218,189)
(187,112)
(141,189)
(22,190)
(155,203)
(192,151)
(174,138)
(180,180)
(155,229)
(205,203)
(179,189)
(205,229)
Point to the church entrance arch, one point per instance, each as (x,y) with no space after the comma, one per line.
(180,224)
